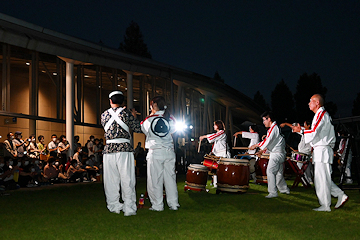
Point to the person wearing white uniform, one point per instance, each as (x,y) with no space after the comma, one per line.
(158,127)
(253,135)
(343,145)
(220,147)
(118,161)
(303,148)
(322,139)
(274,142)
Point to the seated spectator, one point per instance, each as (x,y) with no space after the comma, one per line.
(91,168)
(20,144)
(10,148)
(63,148)
(53,146)
(51,173)
(25,175)
(32,149)
(7,174)
(37,171)
(73,173)
(97,151)
(77,156)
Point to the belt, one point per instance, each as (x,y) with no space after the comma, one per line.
(118,140)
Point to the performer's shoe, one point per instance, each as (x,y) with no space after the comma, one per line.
(173,208)
(127,214)
(155,210)
(322,209)
(272,195)
(286,192)
(349,181)
(342,199)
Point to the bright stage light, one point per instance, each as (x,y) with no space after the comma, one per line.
(191,126)
(180,126)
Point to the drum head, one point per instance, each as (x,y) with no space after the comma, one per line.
(227,161)
(197,167)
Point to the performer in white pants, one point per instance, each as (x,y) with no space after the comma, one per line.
(158,128)
(322,139)
(118,160)
(220,147)
(274,142)
(303,148)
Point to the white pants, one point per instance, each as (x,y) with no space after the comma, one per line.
(161,172)
(119,170)
(275,173)
(324,186)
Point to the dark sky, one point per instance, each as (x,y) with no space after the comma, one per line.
(252,44)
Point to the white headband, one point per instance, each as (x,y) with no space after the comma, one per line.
(114,93)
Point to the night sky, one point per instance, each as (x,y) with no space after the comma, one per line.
(252,44)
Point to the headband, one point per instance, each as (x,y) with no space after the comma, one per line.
(115,93)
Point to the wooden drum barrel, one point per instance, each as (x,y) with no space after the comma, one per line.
(196,176)
(233,175)
(260,169)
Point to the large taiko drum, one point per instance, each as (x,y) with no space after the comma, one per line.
(196,176)
(233,175)
(260,168)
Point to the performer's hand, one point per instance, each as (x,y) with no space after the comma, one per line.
(202,137)
(133,112)
(282,125)
(237,133)
(259,153)
(253,147)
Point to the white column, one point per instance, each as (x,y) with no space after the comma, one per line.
(70,97)
(129,92)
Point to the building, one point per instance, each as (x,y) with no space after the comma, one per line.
(55,83)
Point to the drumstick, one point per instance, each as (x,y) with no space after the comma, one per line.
(235,141)
(242,148)
(199,146)
(291,148)
(246,154)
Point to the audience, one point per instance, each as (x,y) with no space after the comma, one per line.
(26,164)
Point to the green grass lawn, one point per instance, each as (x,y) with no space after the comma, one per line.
(78,211)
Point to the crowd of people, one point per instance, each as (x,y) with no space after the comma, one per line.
(27,163)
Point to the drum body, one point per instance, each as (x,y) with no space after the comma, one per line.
(211,164)
(196,176)
(233,175)
(300,157)
(260,169)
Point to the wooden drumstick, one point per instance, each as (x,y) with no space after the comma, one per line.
(240,148)
(235,141)
(291,148)
(199,146)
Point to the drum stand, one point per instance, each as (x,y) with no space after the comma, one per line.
(300,173)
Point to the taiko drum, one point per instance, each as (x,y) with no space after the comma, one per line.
(233,175)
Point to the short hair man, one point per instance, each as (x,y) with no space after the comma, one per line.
(274,142)
(321,137)
(118,163)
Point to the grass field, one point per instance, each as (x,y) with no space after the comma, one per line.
(78,211)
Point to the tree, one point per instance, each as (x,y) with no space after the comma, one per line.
(307,86)
(260,100)
(134,42)
(217,77)
(282,103)
(356,106)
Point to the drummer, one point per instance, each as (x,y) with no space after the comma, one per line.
(253,135)
(274,142)
(303,148)
(220,147)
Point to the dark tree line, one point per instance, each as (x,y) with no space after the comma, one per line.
(288,107)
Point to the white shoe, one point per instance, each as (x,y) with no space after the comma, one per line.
(127,214)
(155,210)
(272,195)
(322,209)
(173,208)
(342,199)
(349,181)
(286,192)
